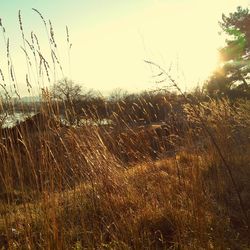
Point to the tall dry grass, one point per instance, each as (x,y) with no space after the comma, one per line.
(124,186)
(64,188)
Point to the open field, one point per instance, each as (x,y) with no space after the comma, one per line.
(113,187)
(156,169)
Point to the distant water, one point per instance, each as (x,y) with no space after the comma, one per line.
(12,119)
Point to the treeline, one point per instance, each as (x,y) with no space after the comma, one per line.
(118,108)
(124,109)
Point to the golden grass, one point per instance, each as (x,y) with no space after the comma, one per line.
(65,190)
(123,186)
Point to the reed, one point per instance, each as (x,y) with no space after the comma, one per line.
(123,184)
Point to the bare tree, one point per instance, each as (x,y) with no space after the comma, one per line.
(69,95)
(118,94)
(66,90)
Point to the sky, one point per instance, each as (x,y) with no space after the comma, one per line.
(111,39)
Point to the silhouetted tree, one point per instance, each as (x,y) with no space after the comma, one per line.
(232,78)
(66,90)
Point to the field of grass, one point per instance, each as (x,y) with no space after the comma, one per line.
(177,180)
(66,188)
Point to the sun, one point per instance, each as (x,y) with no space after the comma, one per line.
(203,64)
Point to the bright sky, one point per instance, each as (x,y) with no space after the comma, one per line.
(111,39)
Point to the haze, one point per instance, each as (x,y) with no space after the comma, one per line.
(111,39)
